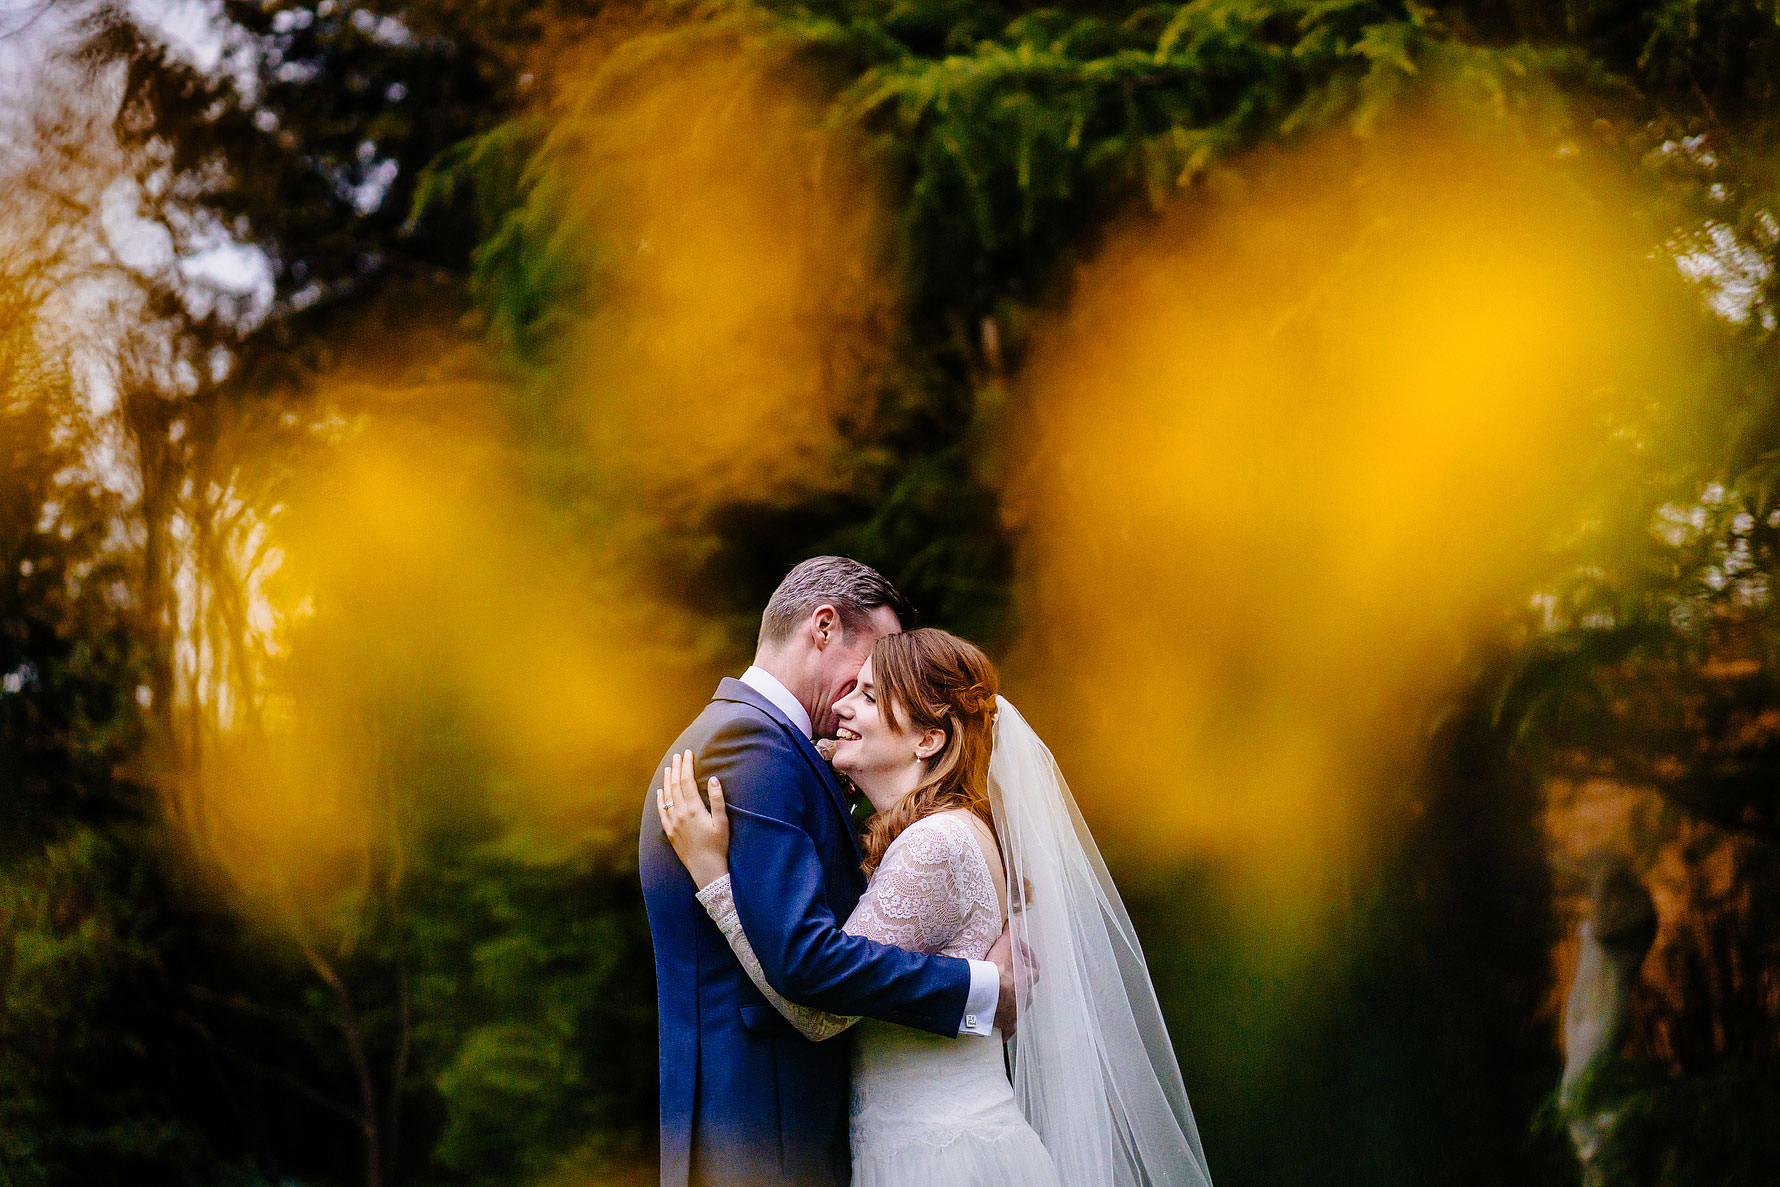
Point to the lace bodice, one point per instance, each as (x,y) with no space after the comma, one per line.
(932,892)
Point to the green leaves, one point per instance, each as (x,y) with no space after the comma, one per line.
(82,1098)
(535,988)
(530,267)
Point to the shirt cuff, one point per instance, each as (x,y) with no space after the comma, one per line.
(980,1003)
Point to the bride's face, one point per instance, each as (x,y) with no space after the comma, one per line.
(881,760)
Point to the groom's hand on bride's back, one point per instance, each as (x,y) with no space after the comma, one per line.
(1019,973)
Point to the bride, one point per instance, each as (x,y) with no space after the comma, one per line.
(975,827)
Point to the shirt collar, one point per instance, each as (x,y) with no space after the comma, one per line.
(768,686)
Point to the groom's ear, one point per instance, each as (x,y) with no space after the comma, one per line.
(825,626)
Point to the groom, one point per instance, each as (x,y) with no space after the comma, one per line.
(746,1099)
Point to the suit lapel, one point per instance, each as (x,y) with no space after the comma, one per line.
(731,689)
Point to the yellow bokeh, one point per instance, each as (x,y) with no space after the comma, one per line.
(746,302)
(421,609)
(1287,454)
(411,574)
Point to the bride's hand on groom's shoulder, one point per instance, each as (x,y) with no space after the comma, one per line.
(699,835)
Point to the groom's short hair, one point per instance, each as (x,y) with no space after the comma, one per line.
(852,588)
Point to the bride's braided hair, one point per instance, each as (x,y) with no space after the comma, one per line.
(940,682)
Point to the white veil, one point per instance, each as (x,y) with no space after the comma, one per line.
(1094,1071)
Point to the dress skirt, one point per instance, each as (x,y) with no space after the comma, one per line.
(936,1111)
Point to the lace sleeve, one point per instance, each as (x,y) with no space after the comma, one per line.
(719,903)
(932,893)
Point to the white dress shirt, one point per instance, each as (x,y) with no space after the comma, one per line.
(985,978)
(768,686)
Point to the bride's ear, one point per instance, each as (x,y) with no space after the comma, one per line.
(930,743)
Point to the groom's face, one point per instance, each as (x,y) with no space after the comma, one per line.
(840,666)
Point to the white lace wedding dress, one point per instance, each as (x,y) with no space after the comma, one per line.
(925,1109)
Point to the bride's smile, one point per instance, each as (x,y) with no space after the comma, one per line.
(885,762)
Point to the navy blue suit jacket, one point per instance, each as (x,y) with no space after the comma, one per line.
(745,1098)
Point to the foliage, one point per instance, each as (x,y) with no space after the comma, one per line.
(1697,1129)
(68,712)
(537,981)
(90,1075)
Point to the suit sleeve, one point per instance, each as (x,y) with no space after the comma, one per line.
(782,901)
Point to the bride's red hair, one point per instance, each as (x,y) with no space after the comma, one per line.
(941,682)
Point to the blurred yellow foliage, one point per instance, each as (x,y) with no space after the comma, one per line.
(413,586)
(744,312)
(747,301)
(1287,453)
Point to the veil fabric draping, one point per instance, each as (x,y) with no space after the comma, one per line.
(1094,1071)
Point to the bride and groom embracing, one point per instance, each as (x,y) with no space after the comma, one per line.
(777,928)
